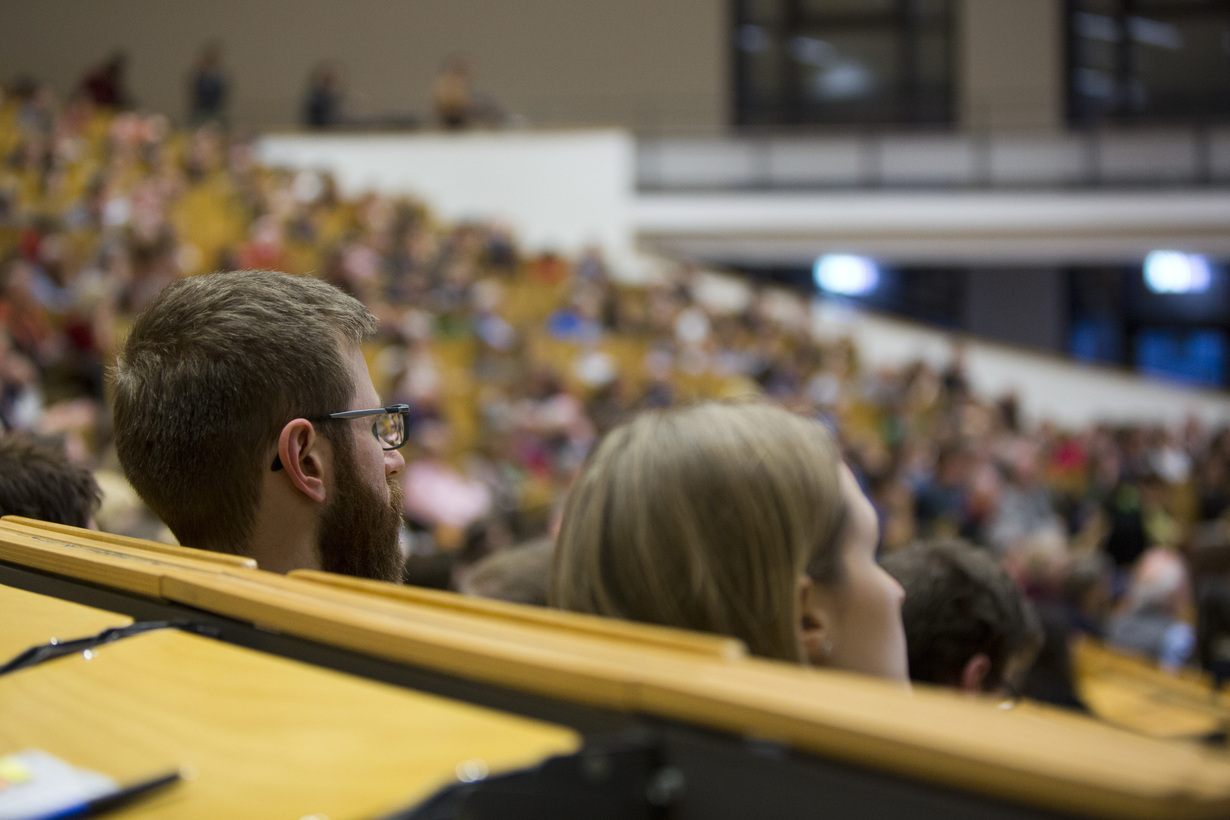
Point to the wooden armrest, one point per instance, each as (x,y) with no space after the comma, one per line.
(63,532)
(573,622)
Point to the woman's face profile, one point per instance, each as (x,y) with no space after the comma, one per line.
(867,633)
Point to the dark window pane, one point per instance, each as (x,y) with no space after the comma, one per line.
(1183,65)
(1097,340)
(762,65)
(1097,6)
(1192,356)
(843,61)
(1169,5)
(846,66)
(930,8)
(762,11)
(1158,59)
(835,8)
(934,61)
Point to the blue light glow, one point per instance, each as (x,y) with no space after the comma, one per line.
(1177,272)
(845,274)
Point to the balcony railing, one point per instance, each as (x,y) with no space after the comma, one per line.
(1153,156)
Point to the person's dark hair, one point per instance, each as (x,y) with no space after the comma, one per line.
(1213,628)
(1051,678)
(37,481)
(207,378)
(518,574)
(960,602)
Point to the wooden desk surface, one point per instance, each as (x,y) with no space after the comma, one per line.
(268,737)
(31,620)
(1131,691)
(934,736)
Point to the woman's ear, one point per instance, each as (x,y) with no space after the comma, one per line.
(817,622)
(299,448)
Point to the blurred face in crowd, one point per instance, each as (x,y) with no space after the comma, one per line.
(359,529)
(864,632)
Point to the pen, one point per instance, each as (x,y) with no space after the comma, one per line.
(114,800)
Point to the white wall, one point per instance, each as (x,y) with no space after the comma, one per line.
(559,190)
(565,189)
(1050,388)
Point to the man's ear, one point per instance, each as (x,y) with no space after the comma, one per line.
(974,673)
(299,448)
(817,622)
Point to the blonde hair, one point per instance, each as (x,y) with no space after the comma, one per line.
(704,518)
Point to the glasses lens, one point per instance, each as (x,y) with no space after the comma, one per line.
(391,430)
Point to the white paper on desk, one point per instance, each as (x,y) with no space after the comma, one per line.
(40,784)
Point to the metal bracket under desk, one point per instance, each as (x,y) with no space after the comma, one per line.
(716,775)
(665,771)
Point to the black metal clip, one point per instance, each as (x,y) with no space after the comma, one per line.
(617,778)
(58,649)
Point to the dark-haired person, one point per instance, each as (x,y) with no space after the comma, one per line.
(519,574)
(38,481)
(967,625)
(208,87)
(246,419)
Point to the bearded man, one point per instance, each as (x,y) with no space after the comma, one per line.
(245,417)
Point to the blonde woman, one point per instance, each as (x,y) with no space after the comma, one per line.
(738,519)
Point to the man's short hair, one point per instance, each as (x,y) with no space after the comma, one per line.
(960,602)
(207,378)
(37,481)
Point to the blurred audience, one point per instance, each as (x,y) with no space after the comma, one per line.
(322,103)
(454,107)
(513,363)
(1150,621)
(106,84)
(457,105)
(208,87)
(1213,629)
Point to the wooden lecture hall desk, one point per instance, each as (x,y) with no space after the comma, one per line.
(1131,691)
(315,696)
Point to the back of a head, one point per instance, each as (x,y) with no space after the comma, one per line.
(37,481)
(703,517)
(960,602)
(1213,626)
(518,574)
(207,377)
(1159,584)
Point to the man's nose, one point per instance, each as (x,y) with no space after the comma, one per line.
(394,462)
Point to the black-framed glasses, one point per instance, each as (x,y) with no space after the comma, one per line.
(390,427)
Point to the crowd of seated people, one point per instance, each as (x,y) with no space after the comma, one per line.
(516,364)
(455,105)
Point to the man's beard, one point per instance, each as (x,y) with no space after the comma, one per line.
(359,530)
